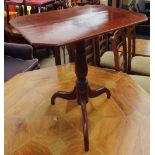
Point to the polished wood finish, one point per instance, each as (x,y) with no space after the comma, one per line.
(61,27)
(117,126)
(74,25)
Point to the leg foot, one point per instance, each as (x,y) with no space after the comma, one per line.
(97,92)
(85,125)
(64,95)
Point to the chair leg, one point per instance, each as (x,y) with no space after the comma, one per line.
(39,9)
(7,12)
(48,52)
(25,9)
(63,48)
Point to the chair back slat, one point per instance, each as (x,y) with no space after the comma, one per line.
(89,49)
(101,46)
(119,48)
(103,43)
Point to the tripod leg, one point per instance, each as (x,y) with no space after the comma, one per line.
(64,95)
(97,92)
(85,125)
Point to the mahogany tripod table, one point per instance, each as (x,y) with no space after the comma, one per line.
(62,27)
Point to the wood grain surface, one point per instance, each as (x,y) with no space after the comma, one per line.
(117,126)
(61,27)
(143,47)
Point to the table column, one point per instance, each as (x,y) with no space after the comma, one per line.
(81,90)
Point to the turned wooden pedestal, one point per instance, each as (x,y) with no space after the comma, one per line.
(81,91)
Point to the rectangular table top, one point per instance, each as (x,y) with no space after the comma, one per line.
(62,27)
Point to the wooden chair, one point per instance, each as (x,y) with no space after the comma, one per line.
(137,64)
(101,46)
(90,51)
(117,57)
(89,48)
(118,40)
(120,50)
(15,3)
(96,51)
(9,30)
